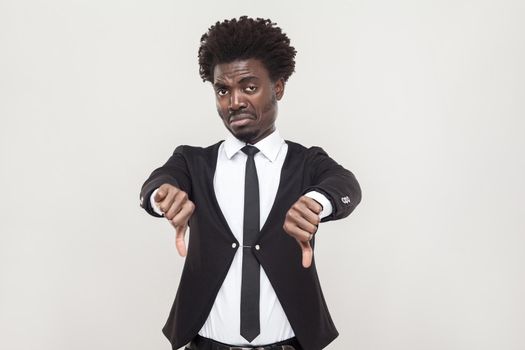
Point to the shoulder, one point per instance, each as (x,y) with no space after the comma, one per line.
(308,152)
(195,151)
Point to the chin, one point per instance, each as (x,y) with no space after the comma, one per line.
(245,135)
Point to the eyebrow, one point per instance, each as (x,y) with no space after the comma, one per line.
(248,78)
(221,84)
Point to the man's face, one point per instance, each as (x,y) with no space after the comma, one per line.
(247,98)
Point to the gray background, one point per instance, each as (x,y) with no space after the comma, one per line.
(422,100)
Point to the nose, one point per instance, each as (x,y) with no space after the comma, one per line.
(236,102)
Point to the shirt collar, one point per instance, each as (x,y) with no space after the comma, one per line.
(269,146)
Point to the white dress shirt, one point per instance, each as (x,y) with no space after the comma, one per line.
(223,322)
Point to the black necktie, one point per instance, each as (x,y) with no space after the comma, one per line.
(250,266)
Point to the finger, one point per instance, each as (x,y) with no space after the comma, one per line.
(162,192)
(307,252)
(301,216)
(304,225)
(180,198)
(295,219)
(301,208)
(159,196)
(167,202)
(295,231)
(180,243)
(173,210)
(184,214)
(312,204)
(312,210)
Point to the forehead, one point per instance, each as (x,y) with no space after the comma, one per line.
(237,70)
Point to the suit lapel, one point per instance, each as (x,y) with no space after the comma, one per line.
(212,156)
(288,183)
(288,180)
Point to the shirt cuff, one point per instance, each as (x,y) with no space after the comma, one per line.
(321,199)
(153,204)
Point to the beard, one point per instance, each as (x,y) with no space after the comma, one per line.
(252,132)
(245,135)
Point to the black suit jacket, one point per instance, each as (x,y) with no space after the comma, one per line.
(210,249)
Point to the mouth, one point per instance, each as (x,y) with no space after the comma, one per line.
(241,119)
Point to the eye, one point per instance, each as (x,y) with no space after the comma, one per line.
(221,91)
(251,88)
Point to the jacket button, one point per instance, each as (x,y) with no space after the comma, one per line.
(234,245)
(257,247)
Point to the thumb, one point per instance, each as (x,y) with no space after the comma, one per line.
(308,253)
(179,239)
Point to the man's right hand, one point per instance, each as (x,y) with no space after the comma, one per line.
(177,208)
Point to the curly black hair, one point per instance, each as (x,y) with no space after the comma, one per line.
(246,38)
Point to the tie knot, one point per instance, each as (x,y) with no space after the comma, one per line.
(250,150)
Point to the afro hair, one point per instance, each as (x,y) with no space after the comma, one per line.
(245,38)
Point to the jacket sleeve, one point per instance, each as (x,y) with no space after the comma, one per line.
(334,181)
(174,172)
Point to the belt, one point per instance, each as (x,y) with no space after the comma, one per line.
(201,343)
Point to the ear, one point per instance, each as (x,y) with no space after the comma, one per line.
(278,87)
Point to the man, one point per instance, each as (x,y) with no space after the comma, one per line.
(253,202)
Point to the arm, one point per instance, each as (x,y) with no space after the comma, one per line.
(165,193)
(174,172)
(338,184)
(334,184)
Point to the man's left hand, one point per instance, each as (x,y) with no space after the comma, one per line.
(301,223)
